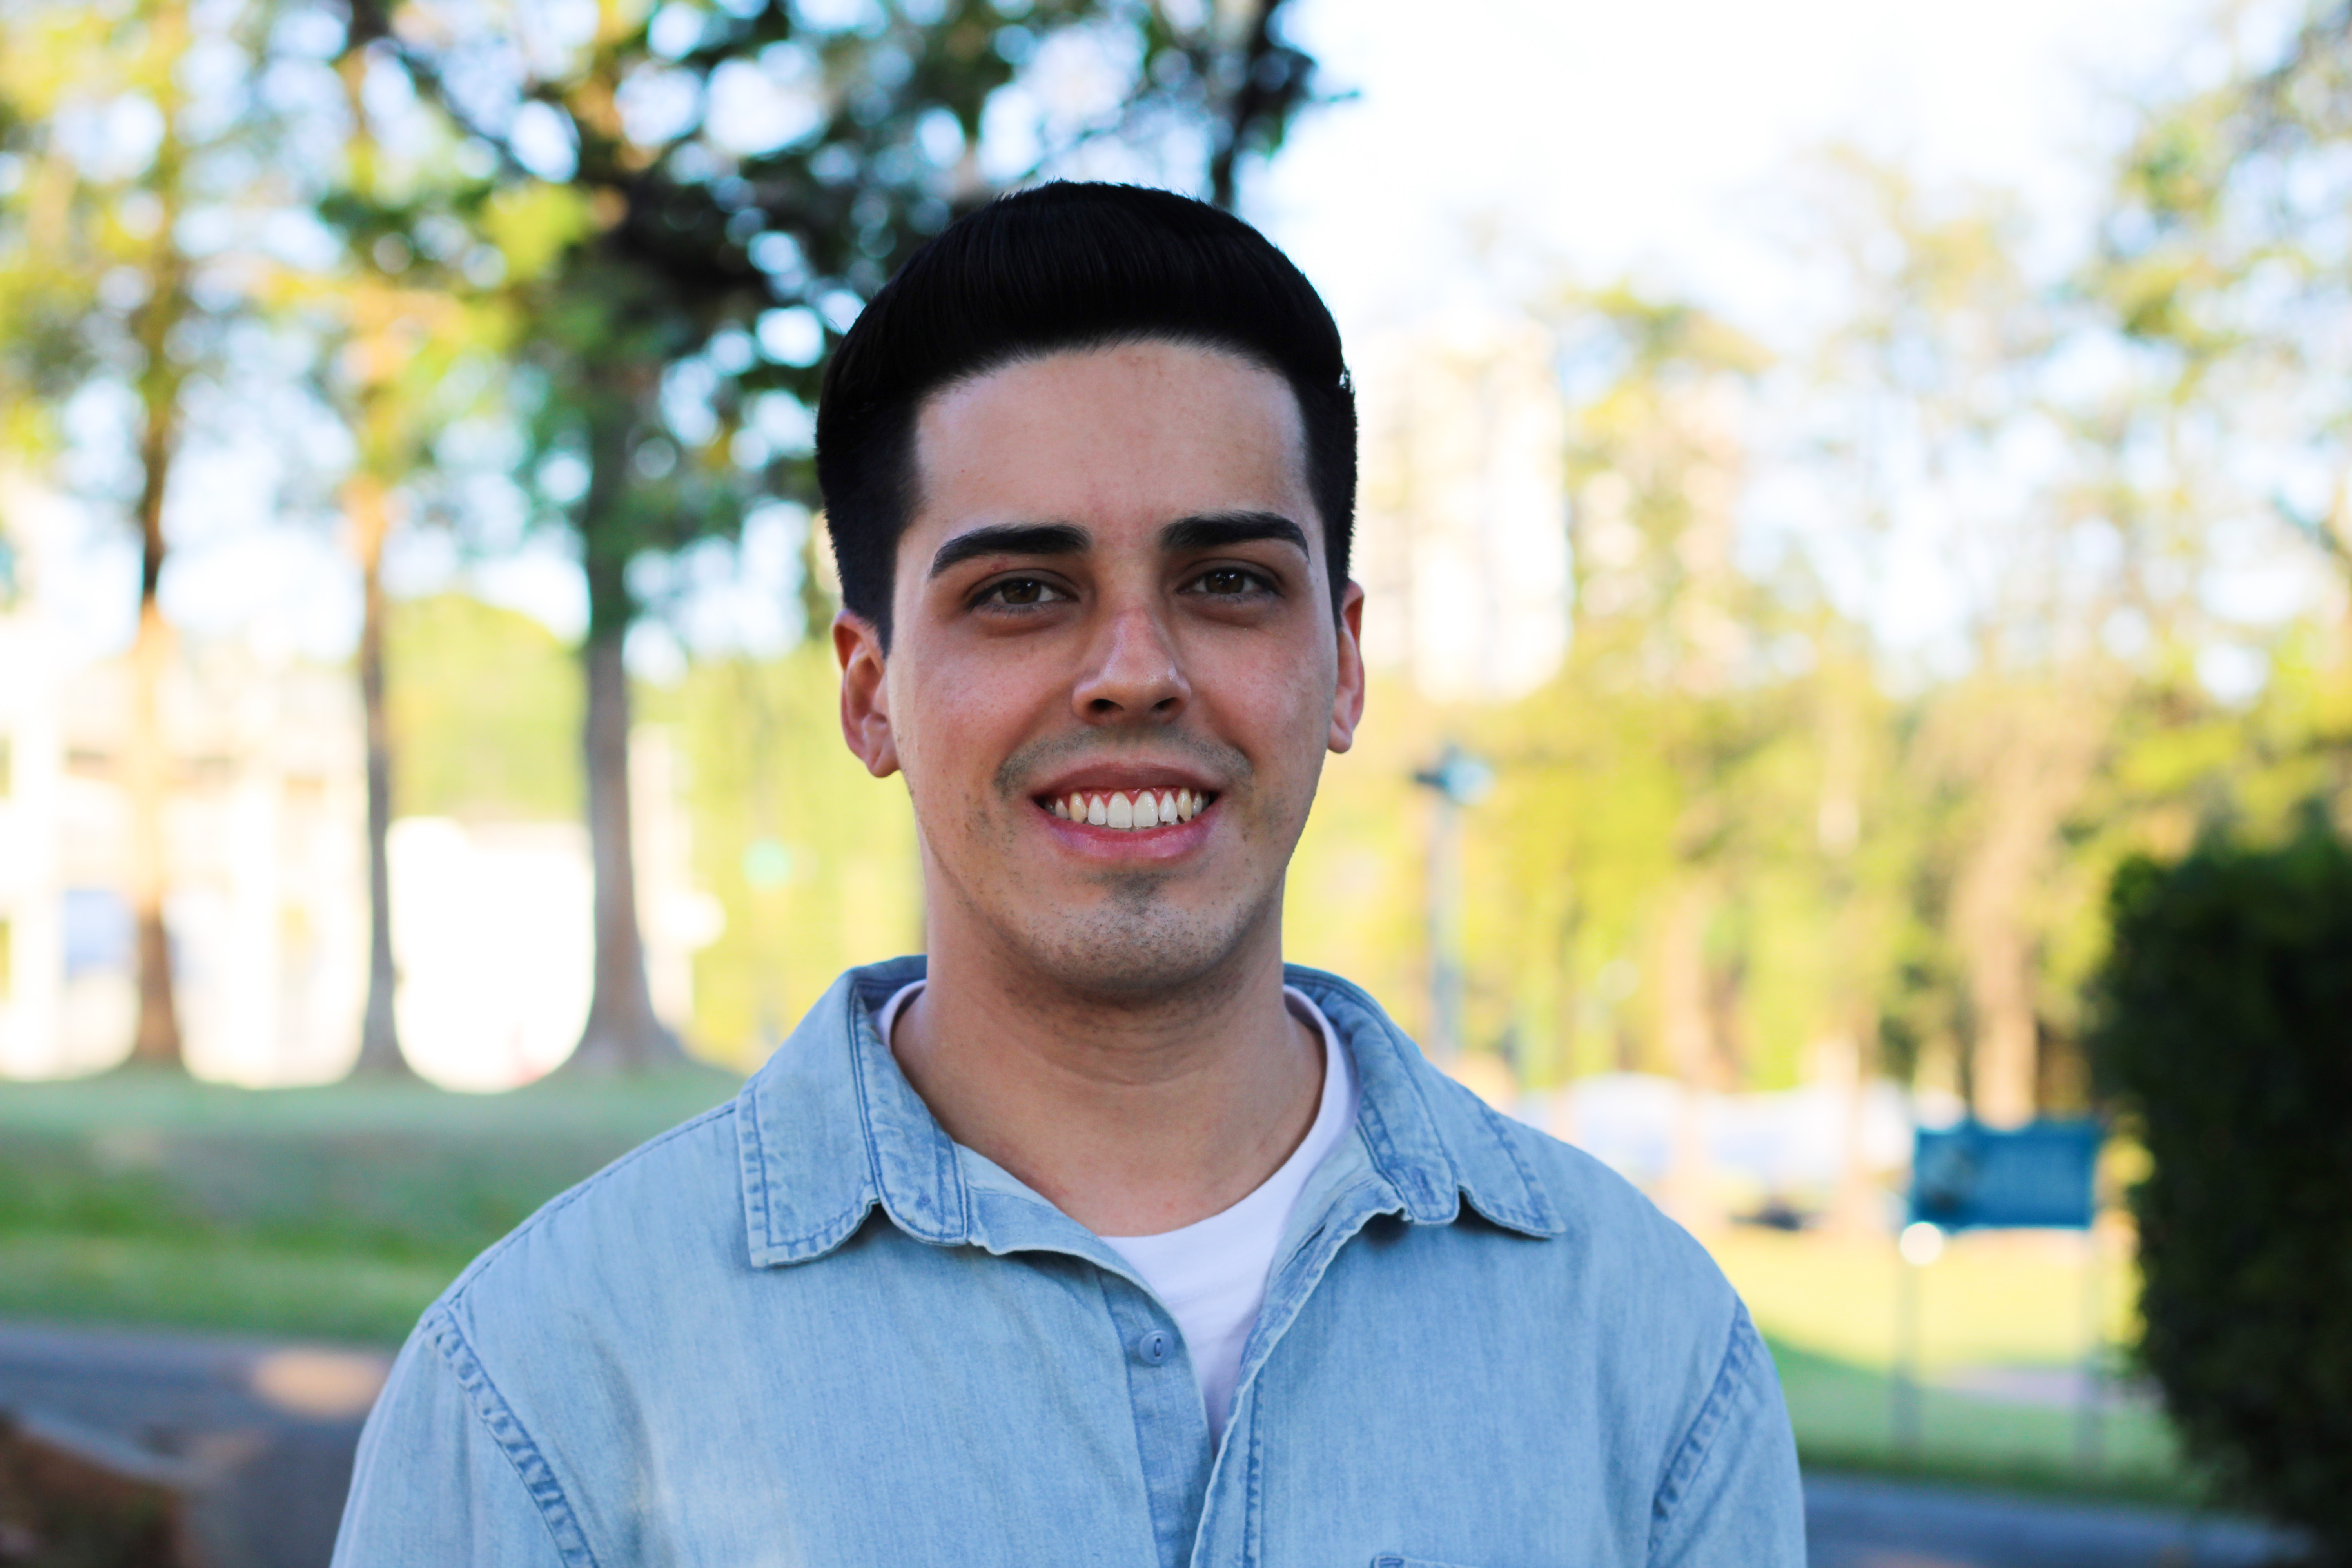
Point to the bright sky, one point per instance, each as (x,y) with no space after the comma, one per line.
(1644,139)
(1649,138)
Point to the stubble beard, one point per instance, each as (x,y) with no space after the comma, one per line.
(1137,945)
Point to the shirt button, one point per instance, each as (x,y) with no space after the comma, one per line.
(1154,1346)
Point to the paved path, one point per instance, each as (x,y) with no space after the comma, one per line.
(1853,1522)
(261,1435)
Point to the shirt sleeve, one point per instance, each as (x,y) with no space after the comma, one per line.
(1732,1497)
(431,1483)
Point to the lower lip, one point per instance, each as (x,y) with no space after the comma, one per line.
(1132,844)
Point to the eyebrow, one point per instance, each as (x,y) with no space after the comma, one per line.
(1013,539)
(1212,531)
(1209,531)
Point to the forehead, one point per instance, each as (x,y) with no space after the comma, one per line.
(1130,435)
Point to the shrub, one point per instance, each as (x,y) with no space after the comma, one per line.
(2224,1032)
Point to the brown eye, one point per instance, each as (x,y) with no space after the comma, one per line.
(1021,593)
(1227,581)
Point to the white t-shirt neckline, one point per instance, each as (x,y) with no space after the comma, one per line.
(1211,1274)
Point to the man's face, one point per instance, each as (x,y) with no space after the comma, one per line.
(1111,608)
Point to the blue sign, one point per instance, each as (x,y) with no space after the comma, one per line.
(1972,1177)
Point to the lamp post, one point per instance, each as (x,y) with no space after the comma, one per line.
(1458,779)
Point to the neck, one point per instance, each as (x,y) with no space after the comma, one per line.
(1132,1114)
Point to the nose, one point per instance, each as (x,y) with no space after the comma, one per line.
(1132,672)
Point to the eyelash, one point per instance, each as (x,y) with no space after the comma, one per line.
(989,598)
(1260,582)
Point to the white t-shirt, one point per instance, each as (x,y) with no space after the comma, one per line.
(1211,1274)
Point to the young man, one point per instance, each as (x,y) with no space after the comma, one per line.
(1097,1236)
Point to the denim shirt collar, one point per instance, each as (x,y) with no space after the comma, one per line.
(830,1128)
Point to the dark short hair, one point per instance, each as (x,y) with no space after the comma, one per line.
(1061,267)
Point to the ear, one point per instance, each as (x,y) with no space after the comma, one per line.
(865,695)
(1348,700)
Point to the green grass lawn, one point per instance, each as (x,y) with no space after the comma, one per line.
(335,1213)
(224,1287)
(340,1212)
(1828,1306)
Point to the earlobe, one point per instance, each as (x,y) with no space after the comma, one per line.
(1347,698)
(865,695)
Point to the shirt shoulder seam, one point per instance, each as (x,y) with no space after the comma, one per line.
(564,1200)
(1731,1384)
(505,1430)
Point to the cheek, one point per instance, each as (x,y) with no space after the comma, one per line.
(954,729)
(1278,712)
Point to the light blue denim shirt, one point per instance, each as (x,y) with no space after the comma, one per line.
(807,1328)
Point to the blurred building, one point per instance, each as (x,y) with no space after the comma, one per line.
(265,839)
(266,836)
(1462,518)
(32,911)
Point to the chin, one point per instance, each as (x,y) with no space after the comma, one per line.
(1135,945)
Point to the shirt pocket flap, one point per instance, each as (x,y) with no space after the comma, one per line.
(1391,1560)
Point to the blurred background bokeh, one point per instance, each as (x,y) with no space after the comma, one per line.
(1840,480)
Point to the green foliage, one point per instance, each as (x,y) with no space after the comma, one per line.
(1356,895)
(533,226)
(485,707)
(2226,1035)
(813,861)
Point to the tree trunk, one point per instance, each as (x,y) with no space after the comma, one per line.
(2046,755)
(1997,955)
(621,1034)
(2003,1067)
(380,1053)
(1845,1055)
(157,1041)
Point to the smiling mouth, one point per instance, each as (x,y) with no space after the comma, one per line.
(1131,811)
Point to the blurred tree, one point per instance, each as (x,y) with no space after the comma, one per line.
(41,353)
(407,349)
(1936,383)
(1649,777)
(685,203)
(2226,269)
(42,302)
(2225,254)
(137,137)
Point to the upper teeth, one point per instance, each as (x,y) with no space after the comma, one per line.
(1131,809)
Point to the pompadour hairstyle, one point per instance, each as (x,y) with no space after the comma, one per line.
(1062,267)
